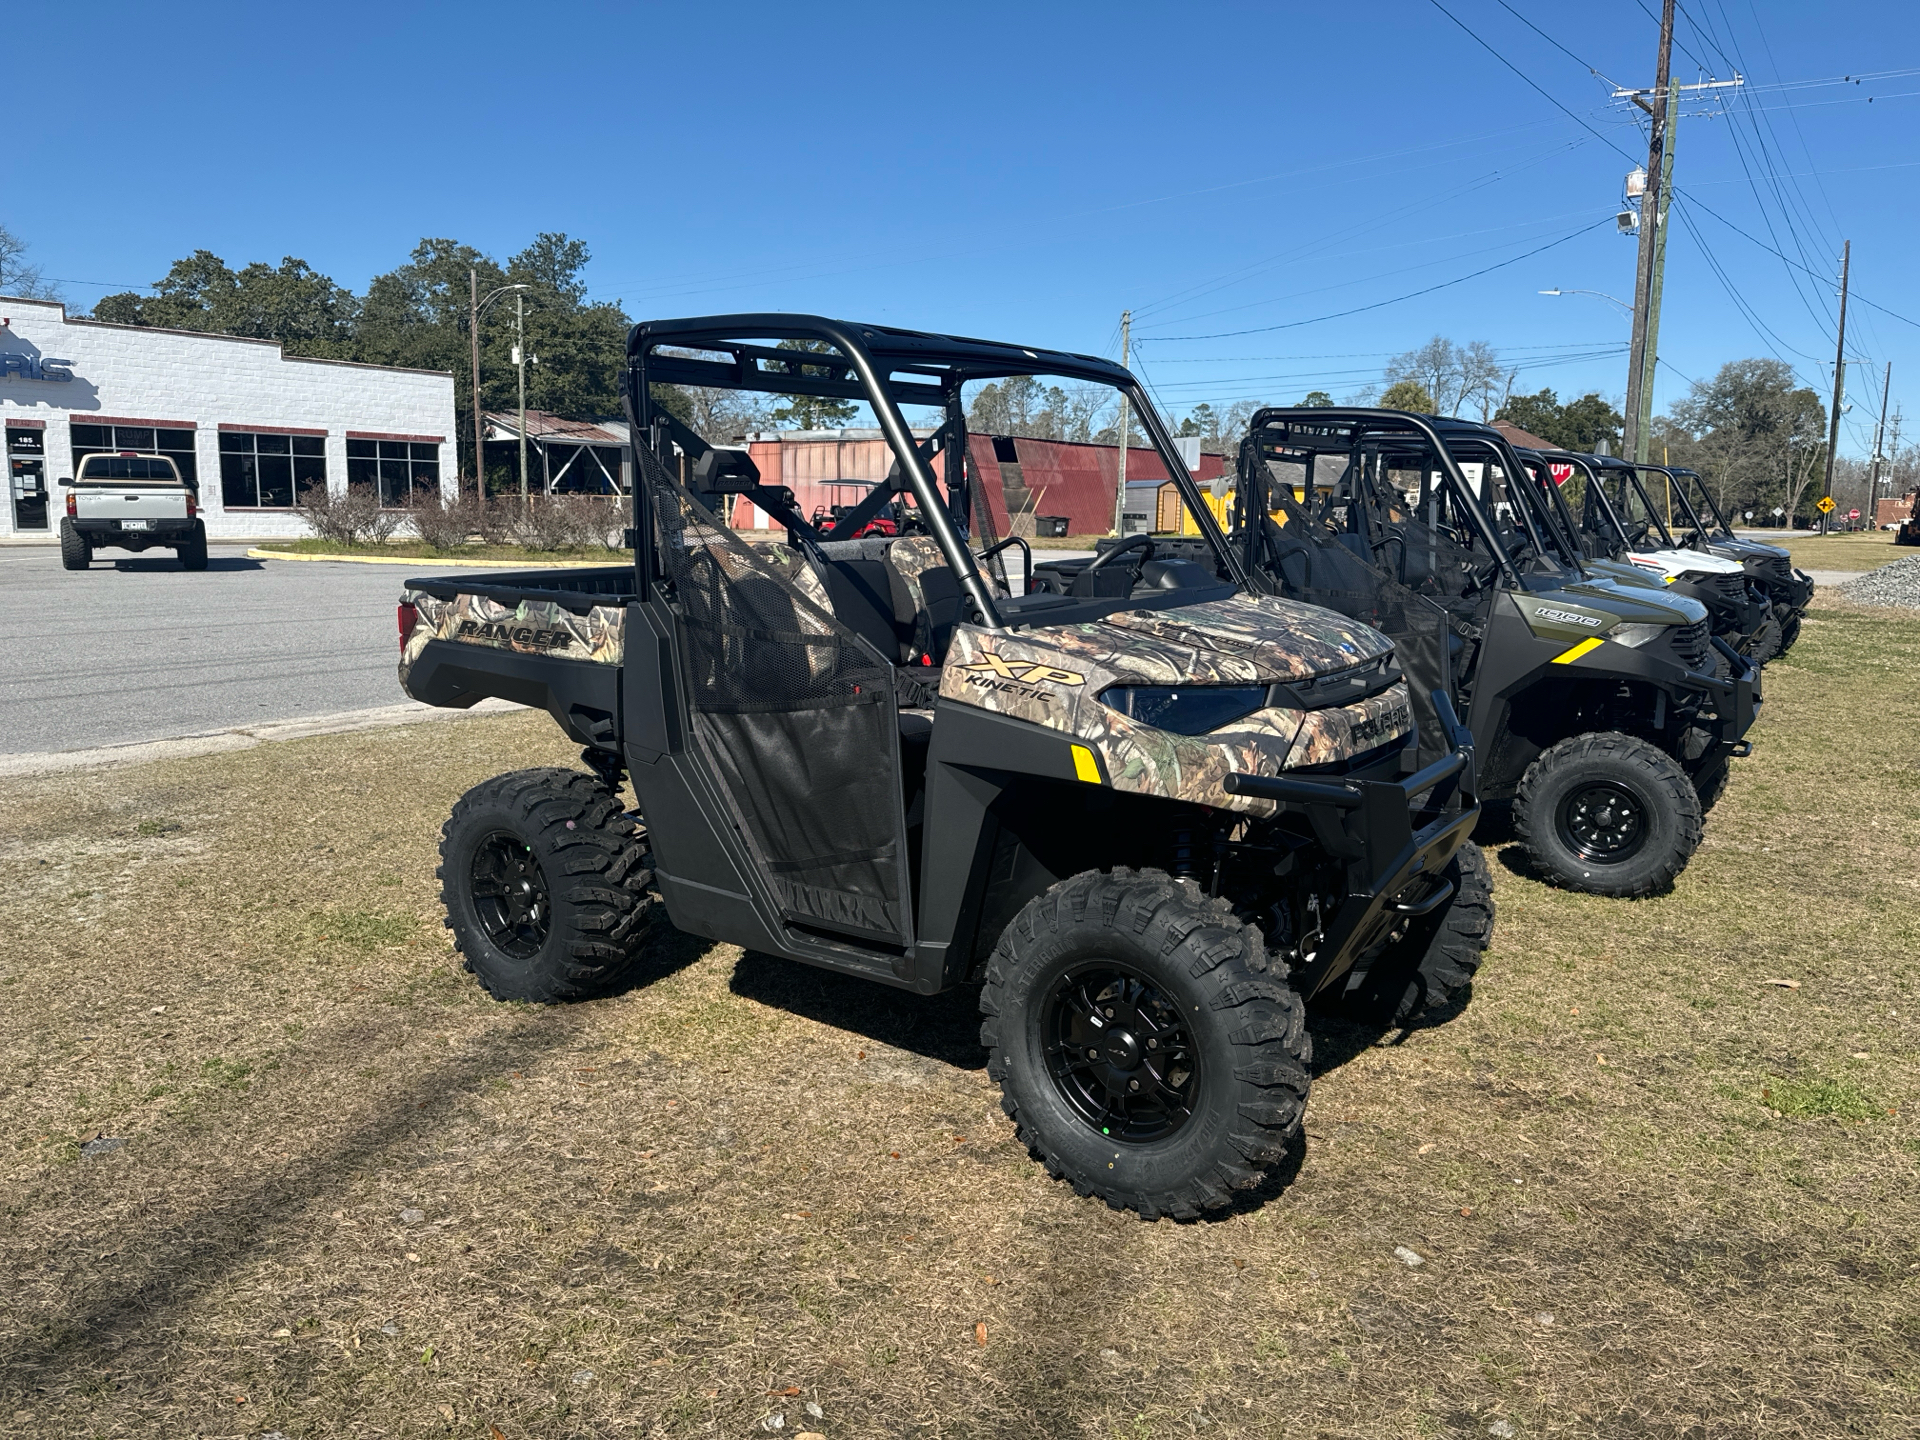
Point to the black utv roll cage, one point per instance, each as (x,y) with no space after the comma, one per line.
(886,368)
(1315,425)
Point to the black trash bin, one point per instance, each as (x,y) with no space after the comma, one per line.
(1050,527)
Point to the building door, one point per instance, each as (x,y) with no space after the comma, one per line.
(27,476)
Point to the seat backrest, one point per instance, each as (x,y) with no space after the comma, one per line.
(870,599)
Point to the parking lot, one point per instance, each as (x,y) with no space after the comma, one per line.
(137,649)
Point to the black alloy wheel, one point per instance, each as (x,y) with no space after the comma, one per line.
(1602,822)
(1119,1053)
(509,892)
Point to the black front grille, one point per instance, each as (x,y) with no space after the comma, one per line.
(1732,589)
(1778,571)
(1692,645)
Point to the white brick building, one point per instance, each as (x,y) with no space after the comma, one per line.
(254,426)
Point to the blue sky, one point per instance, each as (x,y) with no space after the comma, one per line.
(1023,171)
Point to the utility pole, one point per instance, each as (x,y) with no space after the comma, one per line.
(1643,431)
(1839,376)
(479,430)
(1120,491)
(1640,363)
(520,361)
(1879,441)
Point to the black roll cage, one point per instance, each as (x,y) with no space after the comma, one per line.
(1614,465)
(886,368)
(1386,422)
(1592,465)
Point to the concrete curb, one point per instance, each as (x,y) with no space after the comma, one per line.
(244,737)
(420,562)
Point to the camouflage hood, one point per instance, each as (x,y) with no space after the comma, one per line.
(1248,639)
(1055,677)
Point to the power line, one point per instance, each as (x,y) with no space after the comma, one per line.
(1529,80)
(1410,295)
(1591,70)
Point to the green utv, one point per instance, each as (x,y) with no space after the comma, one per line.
(1594,703)
(1150,818)
(1604,503)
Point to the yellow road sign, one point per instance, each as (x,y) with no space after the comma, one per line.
(1824,504)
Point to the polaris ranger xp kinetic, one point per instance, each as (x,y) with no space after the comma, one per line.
(1151,818)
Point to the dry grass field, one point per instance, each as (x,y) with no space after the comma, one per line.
(1861,550)
(1655,1190)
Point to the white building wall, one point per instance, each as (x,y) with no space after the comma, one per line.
(134,373)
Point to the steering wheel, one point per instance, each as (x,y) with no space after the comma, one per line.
(1639,532)
(1132,542)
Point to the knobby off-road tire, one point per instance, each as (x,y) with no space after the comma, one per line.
(1608,814)
(75,552)
(1191,993)
(193,553)
(1789,632)
(1418,974)
(1710,779)
(547,885)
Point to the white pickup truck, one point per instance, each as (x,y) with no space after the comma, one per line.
(133,501)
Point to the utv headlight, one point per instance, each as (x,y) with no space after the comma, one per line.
(1635,635)
(1186,709)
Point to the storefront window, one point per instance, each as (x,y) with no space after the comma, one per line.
(399,469)
(178,444)
(262,471)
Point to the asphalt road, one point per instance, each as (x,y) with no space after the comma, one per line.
(138,649)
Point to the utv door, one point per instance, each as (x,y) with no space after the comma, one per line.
(794,722)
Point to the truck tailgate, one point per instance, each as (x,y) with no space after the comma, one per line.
(130,501)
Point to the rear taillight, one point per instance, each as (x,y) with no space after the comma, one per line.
(193,504)
(73,509)
(409,617)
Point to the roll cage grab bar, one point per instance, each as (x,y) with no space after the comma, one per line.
(854,374)
(1388,422)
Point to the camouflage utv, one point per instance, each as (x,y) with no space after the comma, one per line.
(1149,818)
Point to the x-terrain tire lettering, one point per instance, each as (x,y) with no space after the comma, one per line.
(1149,1050)
(547,884)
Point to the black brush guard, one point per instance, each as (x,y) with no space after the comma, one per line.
(1395,836)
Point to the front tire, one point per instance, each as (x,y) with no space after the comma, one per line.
(1424,971)
(547,885)
(75,552)
(1608,814)
(1146,1047)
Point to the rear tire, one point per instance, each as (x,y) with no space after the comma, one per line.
(1607,814)
(548,885)
(193,554)
(1420,975)
(1102,993)
(75,552)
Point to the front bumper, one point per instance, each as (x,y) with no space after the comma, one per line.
(1395,836)
(1736,699)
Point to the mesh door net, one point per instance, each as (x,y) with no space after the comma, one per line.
(796,715)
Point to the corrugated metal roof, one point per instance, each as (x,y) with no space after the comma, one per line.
(543,425)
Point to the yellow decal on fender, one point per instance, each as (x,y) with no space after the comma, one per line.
(1567,657)
(1024,672)
(1085,766)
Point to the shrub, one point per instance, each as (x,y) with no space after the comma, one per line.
(440,524)
(351,517)
(566,522)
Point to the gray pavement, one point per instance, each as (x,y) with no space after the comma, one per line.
(137,649)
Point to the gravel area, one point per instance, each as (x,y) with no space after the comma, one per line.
(1895,583)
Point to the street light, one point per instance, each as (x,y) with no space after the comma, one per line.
(1628,309)
(479,307)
